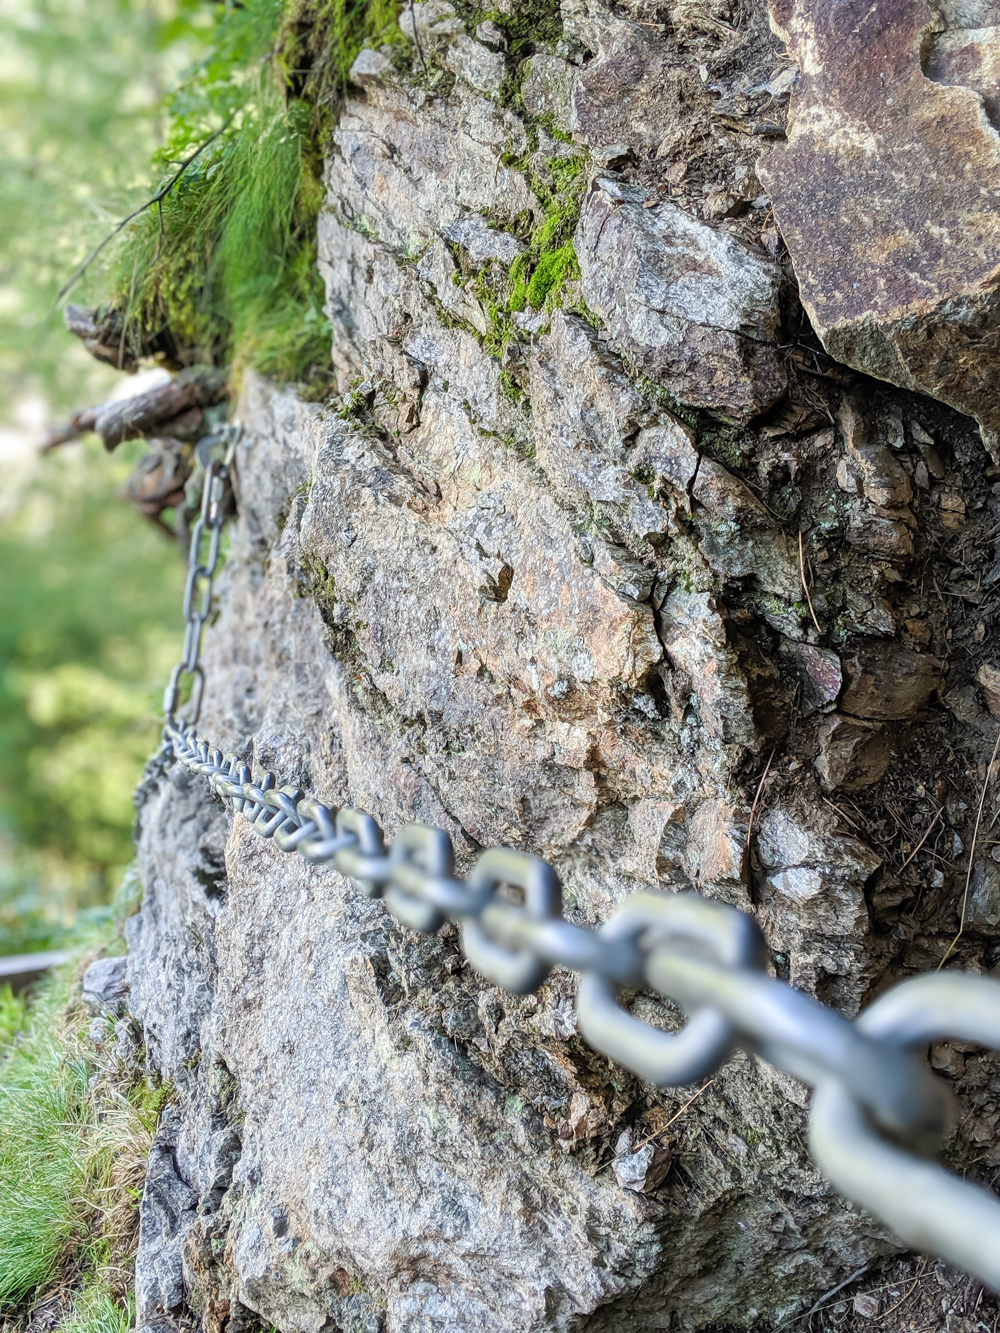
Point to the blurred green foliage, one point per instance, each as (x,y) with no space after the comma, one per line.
(75,1130)
(81,91)
(89,592)
(101,102)
(89,625)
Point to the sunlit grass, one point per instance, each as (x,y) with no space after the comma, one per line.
(72,1150)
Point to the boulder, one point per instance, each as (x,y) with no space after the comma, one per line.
(887,193)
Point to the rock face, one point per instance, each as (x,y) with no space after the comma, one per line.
(628,576)
(888,196)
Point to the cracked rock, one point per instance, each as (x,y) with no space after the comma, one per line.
(887,193)
(695,639)
(694,307)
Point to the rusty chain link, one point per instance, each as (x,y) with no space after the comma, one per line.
(876,1109)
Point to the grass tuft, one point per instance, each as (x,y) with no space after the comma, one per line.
(75,1132)
(224,270)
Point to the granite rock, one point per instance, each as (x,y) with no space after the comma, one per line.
(508,586)
(694,307)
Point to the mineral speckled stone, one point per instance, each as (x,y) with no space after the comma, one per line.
(887,193)
(695,307)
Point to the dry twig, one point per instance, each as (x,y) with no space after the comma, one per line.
(756,798)
(927,834)
(805,583)
(972,854)
(416,36)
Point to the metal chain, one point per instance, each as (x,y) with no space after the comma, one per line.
(876,1104)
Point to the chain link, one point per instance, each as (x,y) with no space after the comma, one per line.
(876,1105)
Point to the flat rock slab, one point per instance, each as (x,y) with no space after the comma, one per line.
(887,192)
(692,305)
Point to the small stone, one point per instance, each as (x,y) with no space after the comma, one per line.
(880,531)
(819,669)
(933,461)
(739,538)
(369,67)
(722,204)
(866,1304)
(888,682)
(848,476)
(668,450)
(493,35)
(920,434)
(982,911)
(988,677)
(880,473)
(716,851)
(947,1060)
(548,89)
(475,64)
(482,242)
(853,754)
(612,156)
(920,475)
(694,636)
(963,703)
(434,20)
(919,631)
(644,1170)
(105,986)
(582,1120)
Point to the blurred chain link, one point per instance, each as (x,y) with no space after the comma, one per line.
(877,1108)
